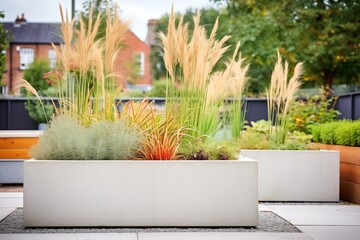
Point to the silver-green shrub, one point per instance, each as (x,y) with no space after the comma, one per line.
(67,139)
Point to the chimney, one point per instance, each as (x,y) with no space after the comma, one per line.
(20,20)
(151,35)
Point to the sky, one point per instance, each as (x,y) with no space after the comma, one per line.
(137,11)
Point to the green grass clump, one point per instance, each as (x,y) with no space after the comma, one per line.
(344,132)
(67,139)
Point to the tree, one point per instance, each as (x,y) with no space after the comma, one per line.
(3,47)
(322,34)
(98,7)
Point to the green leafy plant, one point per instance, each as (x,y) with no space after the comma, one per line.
(4,43)
(211,150)
(40,113)
(67,139)
(343,132)
(257,136)
(159,89)
(311,111)
(34,75)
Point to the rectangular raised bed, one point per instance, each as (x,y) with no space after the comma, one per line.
(286,175)
(141,193)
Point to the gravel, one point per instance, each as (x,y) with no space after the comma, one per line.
(268,222)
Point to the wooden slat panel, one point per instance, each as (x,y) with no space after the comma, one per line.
(17,143)
(347,154)
(14,154)
(350,192)
(350,173)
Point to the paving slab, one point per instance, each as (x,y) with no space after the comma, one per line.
(11,202)
(11,194)
(223,236)
(11,199)
(332,232)
(4,212)
(263,207)
(319,215)
(74,236)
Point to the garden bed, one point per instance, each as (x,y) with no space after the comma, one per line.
(349,170)
(297,175)
(141,193)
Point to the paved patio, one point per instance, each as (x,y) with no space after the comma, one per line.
(315,221)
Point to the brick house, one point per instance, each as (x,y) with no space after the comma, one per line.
(29,41)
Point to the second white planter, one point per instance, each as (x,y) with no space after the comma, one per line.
(286,175)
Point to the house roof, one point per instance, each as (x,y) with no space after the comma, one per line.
(34,32)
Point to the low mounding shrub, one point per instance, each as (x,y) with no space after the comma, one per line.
(342,132)
(257,137)
(68,139)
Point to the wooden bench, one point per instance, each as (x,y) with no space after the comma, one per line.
(14,149)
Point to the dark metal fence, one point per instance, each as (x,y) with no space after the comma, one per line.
(13,115)
(349,105)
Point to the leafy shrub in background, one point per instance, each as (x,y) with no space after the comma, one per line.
(344,132)
(159,89)
(41,113)
(311,111)
(327,134)
(68,139)
(34,75)
(256,136)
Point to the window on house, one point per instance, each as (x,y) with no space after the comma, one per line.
(139,63)
(26,57)
(52,58)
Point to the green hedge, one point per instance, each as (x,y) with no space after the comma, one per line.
(342,132)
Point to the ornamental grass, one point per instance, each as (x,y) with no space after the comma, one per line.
(196,110)
(197,92)
(87,90)
(280,96)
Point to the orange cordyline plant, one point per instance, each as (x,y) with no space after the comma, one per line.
(162,134)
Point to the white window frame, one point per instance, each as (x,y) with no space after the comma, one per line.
(26,58)
(52,58)
(139,60)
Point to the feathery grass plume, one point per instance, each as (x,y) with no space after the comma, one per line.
(237,88)
(280,96)
(87,90)
(189,60)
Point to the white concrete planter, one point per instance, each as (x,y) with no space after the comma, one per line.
(141,193)
(286,175)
